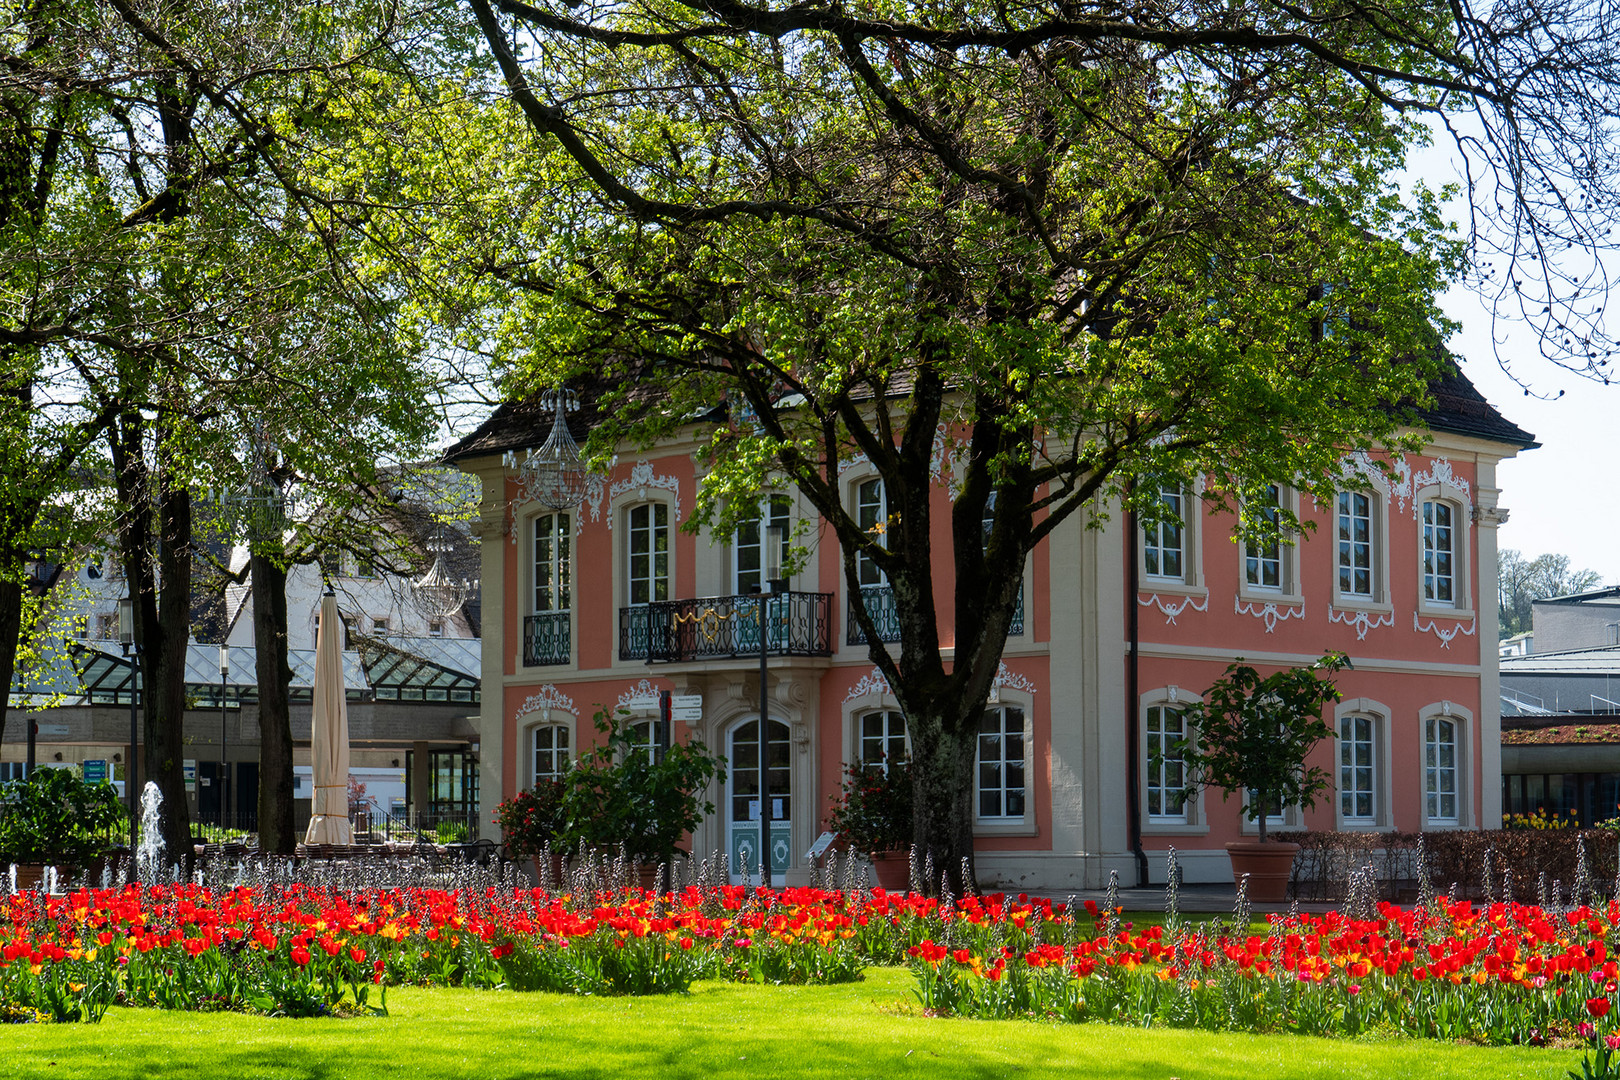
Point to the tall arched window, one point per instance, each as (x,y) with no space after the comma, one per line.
(551,752)
(872,515)
(882,738)
(647,580)
(1166,774)
(1358,774)
(1440,562)
(1000,764)
(1440,770)
(746,547)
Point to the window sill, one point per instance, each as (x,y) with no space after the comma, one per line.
(1361,603)
(1429,611)
(1170,828)
(1171,586)
(1254,595)
(1009,828)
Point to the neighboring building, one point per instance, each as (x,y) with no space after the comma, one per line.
(1584,620)
(1566,764)
(412,666)
(1401,577)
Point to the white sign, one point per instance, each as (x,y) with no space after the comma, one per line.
(53,729)
(686,708)
(819,848)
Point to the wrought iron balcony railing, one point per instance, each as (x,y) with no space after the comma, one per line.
(879,603)
(546,639)
(879,600)
(725,627)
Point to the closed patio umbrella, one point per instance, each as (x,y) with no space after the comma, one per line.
(329,734)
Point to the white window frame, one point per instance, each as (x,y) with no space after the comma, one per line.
(535,750)
(659,587)
(1463,719)
(1005,823)
(889,718)
(1287,589)
(779,511)
(865,567)
(1191,820)
(1191,578)
(1460,605)
(1377,715)
(1378,553)
(560,533)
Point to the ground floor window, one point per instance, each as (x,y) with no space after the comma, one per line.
(1001,764)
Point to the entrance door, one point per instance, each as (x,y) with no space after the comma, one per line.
(742,783)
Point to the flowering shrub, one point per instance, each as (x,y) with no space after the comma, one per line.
(532,819)
(871,811)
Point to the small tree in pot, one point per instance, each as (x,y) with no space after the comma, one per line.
(625,794)
(1249,737)
(872,813)
(532,820)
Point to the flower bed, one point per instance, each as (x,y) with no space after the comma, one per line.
(303,951)
(1501,973)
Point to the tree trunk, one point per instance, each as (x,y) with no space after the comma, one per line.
(11,603)
(943,786)
(163,662)
(275,720)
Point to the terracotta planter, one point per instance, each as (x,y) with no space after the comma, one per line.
(1268,865)
(893,870)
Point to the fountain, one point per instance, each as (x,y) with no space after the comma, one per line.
(149,856)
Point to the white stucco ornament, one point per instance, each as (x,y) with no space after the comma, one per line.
(1361,621)
(548,699)
(643,695)
(1441,632)
(1173,610)
(641,478)
(872,682)
(1271,613)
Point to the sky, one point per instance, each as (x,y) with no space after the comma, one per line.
(1563,497)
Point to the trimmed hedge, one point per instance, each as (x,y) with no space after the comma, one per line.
(1455,858)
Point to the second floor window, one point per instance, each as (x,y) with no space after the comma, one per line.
(1439,554)
(1163,550)
(553,563)
(648,541)
(872,515)
(1355,545)
(1262,560)
(746,544)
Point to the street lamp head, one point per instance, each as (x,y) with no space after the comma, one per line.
(224,661)
(126,621)
(775,541)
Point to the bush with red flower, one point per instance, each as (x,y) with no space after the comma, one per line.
(533,819)
(872,809)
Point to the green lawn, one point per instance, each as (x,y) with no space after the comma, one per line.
(867,1029)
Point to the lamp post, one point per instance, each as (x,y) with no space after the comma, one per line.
(224,753)
(132,652)
(770,540)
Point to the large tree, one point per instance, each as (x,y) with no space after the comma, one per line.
(185,282)
(1030,251)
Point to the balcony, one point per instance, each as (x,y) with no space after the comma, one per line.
(726,627)
(879,601)
(546,639)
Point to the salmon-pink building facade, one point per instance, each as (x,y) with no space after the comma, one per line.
(605,605)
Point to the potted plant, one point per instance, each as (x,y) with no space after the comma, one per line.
(872,813)
(532,823)
(1249,737)
(53,817)
(623,795)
